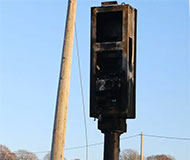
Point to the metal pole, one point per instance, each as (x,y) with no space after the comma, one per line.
(142,146)
(111,146)
(58,142)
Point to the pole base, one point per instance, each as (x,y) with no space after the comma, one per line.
(112,125)
(111,146)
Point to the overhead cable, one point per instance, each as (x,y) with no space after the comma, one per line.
(82,91)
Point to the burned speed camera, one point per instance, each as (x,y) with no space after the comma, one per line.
(113,61)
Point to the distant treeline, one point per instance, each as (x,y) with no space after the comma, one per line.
(128,154)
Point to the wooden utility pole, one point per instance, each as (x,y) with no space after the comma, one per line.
(142,146)
(58,142)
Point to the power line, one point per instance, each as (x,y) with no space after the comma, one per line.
(90,145)
(165,137)
(82,91)
(130,137)
(133,136)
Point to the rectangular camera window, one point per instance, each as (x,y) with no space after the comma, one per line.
(109,26)
(130,53)
(109,61)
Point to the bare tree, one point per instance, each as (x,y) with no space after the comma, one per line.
(6,154)
(160,157)
(47,157)
(129,154)
(25,155)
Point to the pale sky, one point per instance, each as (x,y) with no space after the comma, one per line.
(31,37)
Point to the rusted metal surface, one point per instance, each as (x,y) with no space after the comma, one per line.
(108,46)
(113,61)
(113,71)
(110,3)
